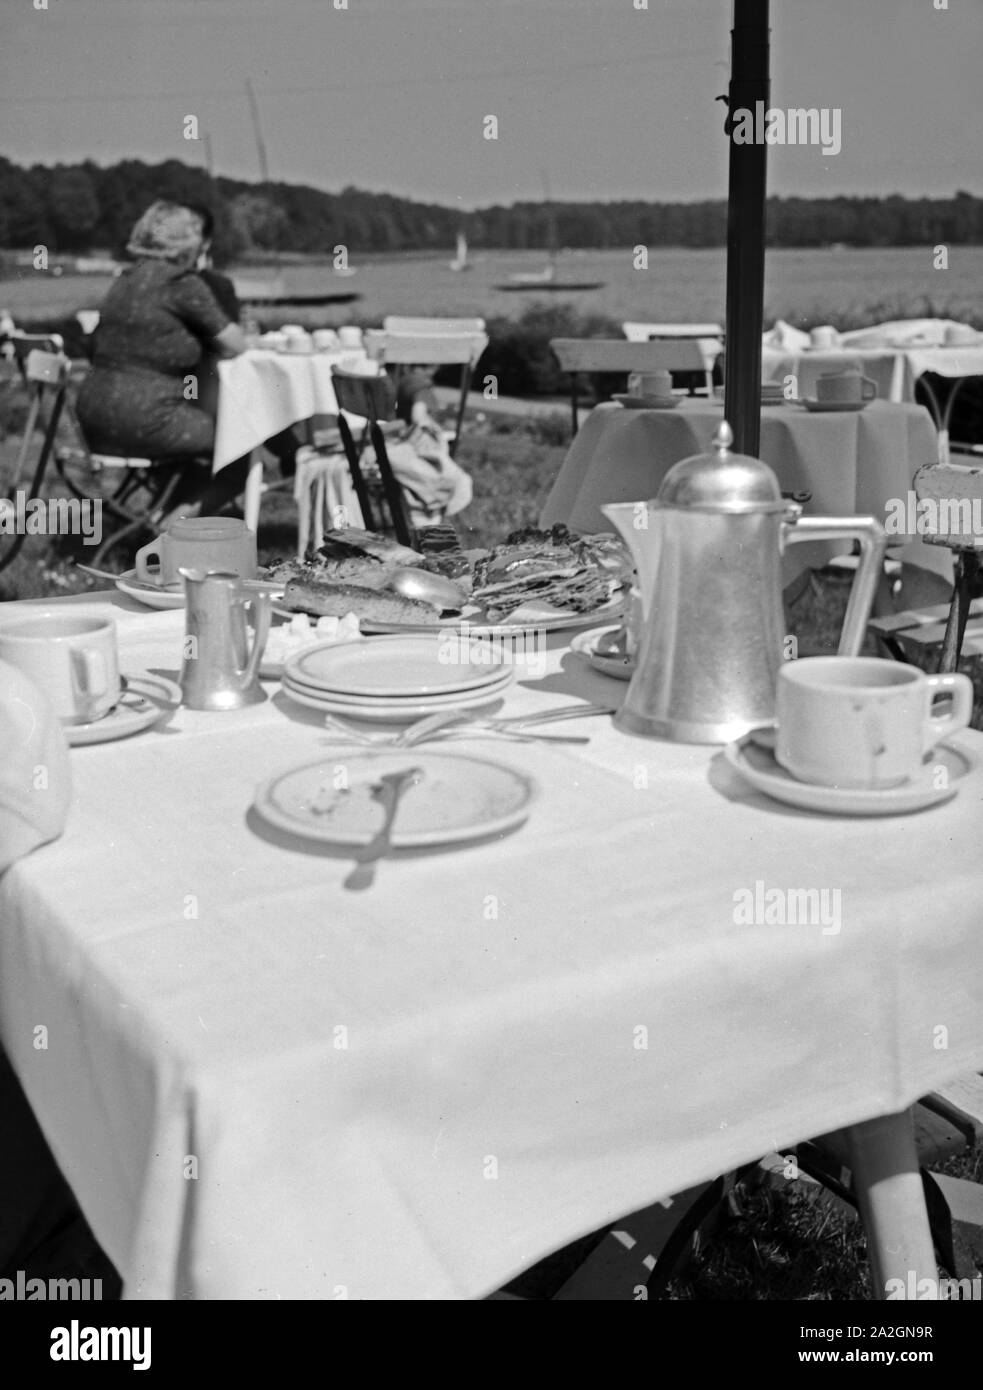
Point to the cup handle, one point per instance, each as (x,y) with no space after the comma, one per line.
(91,678)
(937,726)
(868,388)
(153,550)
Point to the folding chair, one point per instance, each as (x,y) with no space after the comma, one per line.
(432,342)
(46,375)
(576,355)
(373,399)
(952,494)
(135,491)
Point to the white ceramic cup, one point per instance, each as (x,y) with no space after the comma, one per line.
(198,542)
(862,722)
(350,337)
(845,388)
(655,384)
(72,660)
(325,339)
(297,339)
(823,337)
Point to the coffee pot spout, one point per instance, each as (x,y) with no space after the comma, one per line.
(640,527)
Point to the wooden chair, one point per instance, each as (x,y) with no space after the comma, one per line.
(372,399)
(576,355)
(432,342)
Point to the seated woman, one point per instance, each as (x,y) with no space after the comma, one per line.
(158,323)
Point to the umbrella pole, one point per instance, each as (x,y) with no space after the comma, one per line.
(749,83)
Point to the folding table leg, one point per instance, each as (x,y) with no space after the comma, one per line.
(254,490)
(889,1191)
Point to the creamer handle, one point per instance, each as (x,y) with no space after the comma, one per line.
(259,611)
(873,544)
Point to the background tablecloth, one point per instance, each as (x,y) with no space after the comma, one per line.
(262,393)
(851,462)
(261,1085)
(894,369)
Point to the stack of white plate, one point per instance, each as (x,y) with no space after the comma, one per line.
(391,680)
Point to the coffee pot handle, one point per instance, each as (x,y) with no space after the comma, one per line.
(873,544)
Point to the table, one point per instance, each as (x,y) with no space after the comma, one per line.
(895,371)
(853,463)
(262,393)
(261,1086)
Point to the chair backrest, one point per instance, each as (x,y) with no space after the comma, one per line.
(642,332)
(950,498)
(619,355)
(429,349)
(46,366)
(394,323)
(371,397)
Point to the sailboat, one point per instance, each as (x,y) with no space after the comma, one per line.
(460,261)
(545,280)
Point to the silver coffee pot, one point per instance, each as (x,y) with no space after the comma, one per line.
(220,666)
(708,554)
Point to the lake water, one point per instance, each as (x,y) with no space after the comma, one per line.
(810,286)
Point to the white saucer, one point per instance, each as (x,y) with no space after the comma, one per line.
(757,765)
(832,407)
(646,402)
(622,668)
(146,700)
(160,598)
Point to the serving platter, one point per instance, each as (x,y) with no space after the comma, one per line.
(470,622)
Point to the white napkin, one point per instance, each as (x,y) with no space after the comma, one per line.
(783,337)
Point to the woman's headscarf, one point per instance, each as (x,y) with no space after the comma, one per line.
(167,232)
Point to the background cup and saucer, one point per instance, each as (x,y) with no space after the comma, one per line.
(823,338)
(296,338)
(649,391)
(199,542)
(860,736)
(848,389)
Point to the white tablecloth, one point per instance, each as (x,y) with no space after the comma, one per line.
(262,393)
(894,369)
(853,463)
(261,1085)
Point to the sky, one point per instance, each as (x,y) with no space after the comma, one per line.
(594,99)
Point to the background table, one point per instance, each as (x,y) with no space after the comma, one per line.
(894,369)
(413,1092)
(262,393)
(852,463)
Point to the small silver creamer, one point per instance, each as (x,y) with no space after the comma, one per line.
(220,667)
(708,553)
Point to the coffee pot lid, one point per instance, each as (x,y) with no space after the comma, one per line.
(721,481)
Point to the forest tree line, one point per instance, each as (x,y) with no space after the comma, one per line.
(75,208)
